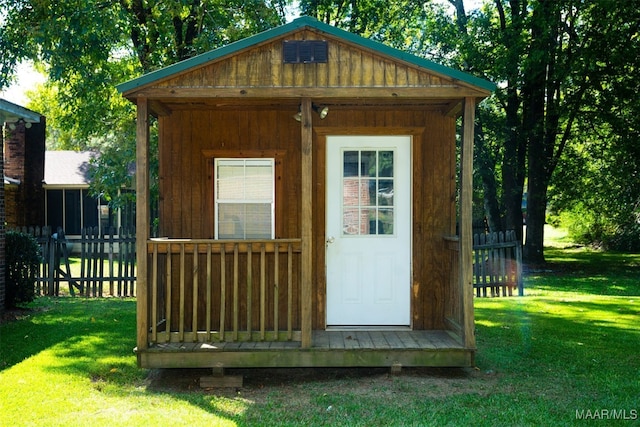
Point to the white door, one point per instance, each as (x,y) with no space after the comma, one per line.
(368,230)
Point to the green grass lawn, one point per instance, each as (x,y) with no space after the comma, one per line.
(568,347)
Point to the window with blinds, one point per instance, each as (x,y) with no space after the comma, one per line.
(244,198)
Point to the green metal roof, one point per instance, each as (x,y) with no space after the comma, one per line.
(294,25)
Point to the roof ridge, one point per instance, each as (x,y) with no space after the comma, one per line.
(296,24)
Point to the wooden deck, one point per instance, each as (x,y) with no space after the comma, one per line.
(329,348)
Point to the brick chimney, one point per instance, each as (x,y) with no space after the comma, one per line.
(2,220)
(24,149)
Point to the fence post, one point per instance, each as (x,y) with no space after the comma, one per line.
(519,268)
(111,233)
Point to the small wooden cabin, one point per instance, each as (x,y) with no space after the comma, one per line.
(307,209)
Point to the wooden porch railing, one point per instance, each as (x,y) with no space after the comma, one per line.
(221,290)
(497,265)
(454,315)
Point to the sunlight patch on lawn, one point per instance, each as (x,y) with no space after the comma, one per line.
(609,311)
(55,394)
(82,371)
(487,323)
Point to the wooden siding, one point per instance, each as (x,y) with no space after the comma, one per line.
(238,101)
(188,142)
(189,139)
(347,66)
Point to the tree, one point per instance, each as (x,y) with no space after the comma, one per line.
(545,57)
(87,47)
(499,34)
(578,51)
(596,189)
(395,23)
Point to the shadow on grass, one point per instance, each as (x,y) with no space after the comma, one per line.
(51,321)
(587,271)
(582,347)
(306,396)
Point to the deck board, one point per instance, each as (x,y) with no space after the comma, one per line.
(329,348)
(407,339)
(378,340)
(350,340)
(393,339)
(364,339)
(337,340)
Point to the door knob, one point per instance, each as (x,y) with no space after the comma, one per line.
(330,240)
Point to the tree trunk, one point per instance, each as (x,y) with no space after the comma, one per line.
(540,133)
(486,169)
(533,251)
(513,164)
(515,148)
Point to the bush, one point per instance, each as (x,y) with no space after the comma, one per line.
(584,226)
(21,264)
(596,229)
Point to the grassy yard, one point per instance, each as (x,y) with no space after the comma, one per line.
(565,351)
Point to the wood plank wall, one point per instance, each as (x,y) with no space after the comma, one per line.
(186,183)
(347,66)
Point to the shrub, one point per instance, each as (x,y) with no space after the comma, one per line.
(590,228)
(21,265)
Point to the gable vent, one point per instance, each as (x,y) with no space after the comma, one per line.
(304,51)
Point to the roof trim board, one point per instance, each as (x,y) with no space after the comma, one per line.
(13,112)
(300,23)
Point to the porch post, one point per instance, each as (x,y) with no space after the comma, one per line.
(466,218)
(142,219)
(307,220)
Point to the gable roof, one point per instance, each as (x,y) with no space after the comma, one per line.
(297,24)
(67,168)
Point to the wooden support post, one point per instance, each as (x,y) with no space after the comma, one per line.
(466,242)
(142,220)
(307,221)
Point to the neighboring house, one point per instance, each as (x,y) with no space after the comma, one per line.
(68,202)
(24,147)
(294,237)
(22,131)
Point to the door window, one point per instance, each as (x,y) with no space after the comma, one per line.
(367,192)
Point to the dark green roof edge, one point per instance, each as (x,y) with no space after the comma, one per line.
(298,23)
(9,110)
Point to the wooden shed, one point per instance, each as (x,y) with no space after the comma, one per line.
(308,206)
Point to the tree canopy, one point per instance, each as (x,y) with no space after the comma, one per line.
(560,132)
(87,47)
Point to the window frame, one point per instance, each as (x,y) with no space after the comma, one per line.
(271,200)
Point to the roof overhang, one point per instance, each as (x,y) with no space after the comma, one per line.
(10,112)
(10,181)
